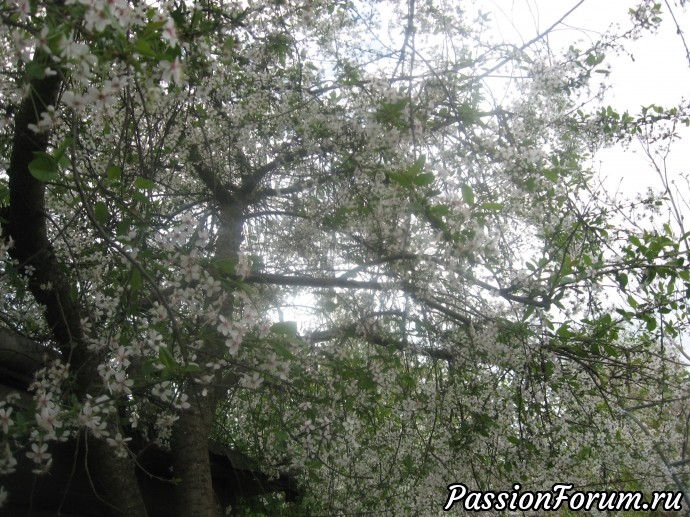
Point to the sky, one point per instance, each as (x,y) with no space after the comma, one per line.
(659,69)
(655,70)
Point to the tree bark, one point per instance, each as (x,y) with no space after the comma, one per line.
(191,464)
(115,481)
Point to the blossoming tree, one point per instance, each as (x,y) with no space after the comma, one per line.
(177,175)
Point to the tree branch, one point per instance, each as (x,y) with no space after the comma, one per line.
(379,340)
(220,193)
(310,281)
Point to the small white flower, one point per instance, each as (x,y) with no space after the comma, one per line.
(23,7)
(8,462)
(243,267)
(48,419)
(120,383)
(162,391)
(119,443)
(308,426)
(170,33)
(225,326)
(74,100)
(182,401)
(121,356)
(233,345)
(5,420)
(252,381)
(171,72)
(39,453)
(203,239)
(97,20)
(88,417)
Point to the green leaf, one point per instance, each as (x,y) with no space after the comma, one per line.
(227,265)
(564,331)
(551,175)
(528,312)
(594,59)
(417,166)
(408,463)
(439,210)
(622,280)
(114,173)
(166,358)
(365,381)
(100,210)
(44,168)
(403,180)
(285,328)
(281,438)
(422,180)
(611,350)
(144,183)
(606,320)
(313,464)
(514,440)
(135,281)
(122,228)
(467,194)
(62,149)
(36,70)
(281,350)
(140,197)
(493,207)
(144,48)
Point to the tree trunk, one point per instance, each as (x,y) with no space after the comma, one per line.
(115,481)
(195,496)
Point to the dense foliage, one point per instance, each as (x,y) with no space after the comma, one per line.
(177,176)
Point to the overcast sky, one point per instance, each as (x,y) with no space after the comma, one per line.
(656,71)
